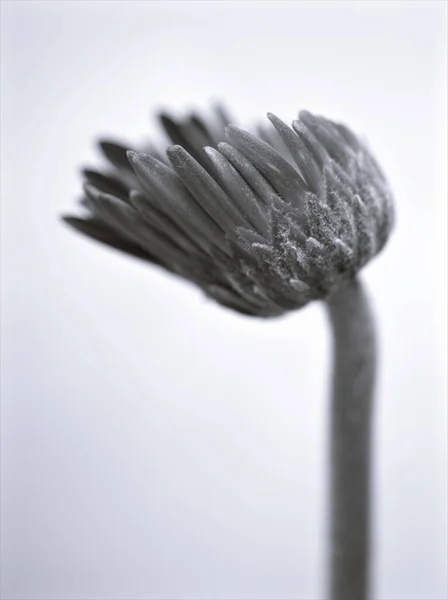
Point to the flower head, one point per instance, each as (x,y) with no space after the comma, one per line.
(263,225)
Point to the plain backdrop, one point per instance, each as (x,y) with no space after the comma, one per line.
(155,445)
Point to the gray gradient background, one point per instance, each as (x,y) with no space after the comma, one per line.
(154,445)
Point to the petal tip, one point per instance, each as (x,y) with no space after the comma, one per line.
(132,156)
(210,151)
(90,189)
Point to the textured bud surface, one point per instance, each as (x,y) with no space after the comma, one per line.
(261,224)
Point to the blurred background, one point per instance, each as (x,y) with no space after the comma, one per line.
(155,445)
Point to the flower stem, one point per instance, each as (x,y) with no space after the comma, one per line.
(354,366)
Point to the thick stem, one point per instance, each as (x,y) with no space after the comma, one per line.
(354,366)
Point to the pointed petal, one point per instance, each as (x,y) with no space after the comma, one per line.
(238,190)
(325,135)
(204,189)
(223,115)
(246,169)
(185,135)
(115,154)
(301,155)
(164,188)
(283,178)
(162,223)
(270,136)
(313,145)
(200,124)
(125,221)
(98,231)
(348,135)
(106,183)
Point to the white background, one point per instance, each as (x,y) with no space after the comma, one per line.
(154,445)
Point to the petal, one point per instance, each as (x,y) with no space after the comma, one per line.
(253,178)
(162,223)
(280,174)
(244,198)
(106,183)
(98,231)
(124,220)
(326,135)
(270,136)
(187,135)
(313,145)
(199,123)
(302,156)
(115,154)
(205,190)
(164,188)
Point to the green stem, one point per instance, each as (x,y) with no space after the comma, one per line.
(354,366)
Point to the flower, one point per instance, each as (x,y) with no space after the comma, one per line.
(262,225)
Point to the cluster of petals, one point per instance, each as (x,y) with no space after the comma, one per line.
(263,224)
